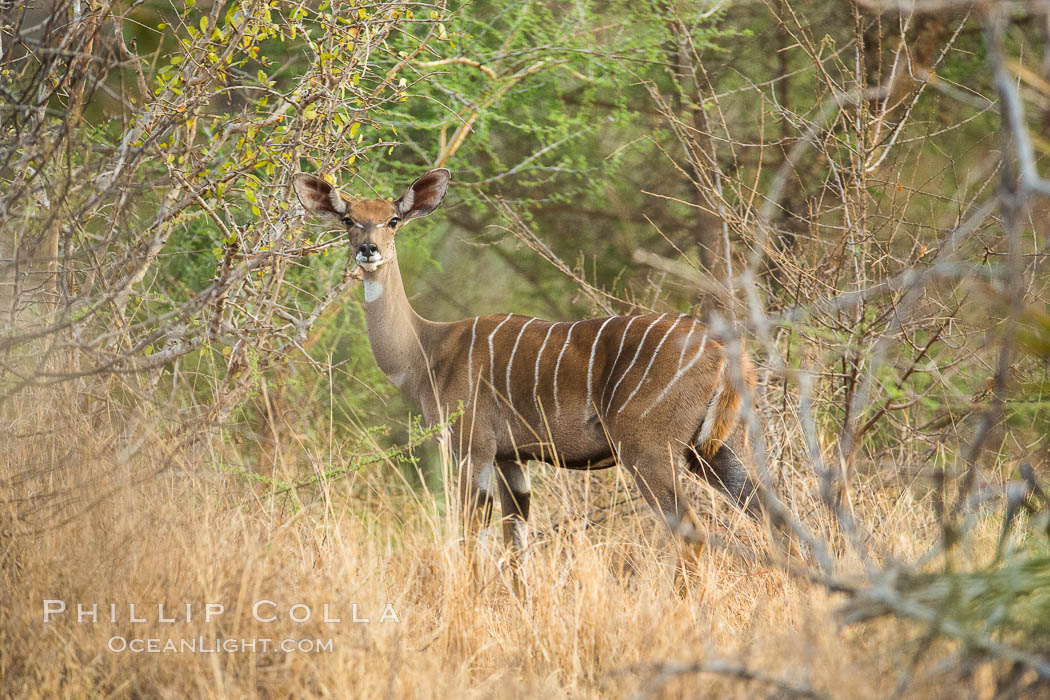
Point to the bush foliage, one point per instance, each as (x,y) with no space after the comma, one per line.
(855,189)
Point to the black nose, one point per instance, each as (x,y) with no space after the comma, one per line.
(367,250)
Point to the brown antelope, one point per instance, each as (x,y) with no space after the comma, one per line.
(652,392)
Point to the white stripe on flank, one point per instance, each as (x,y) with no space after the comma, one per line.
(557,407)
(635,358)
(617,358)
(708,425)
(492,355)
(536,379)
(677,376)
(590,363)
(685,344)
(651,361)
(510,362)
(470,359)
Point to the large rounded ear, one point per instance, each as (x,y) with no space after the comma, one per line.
(318,196)
(424,195)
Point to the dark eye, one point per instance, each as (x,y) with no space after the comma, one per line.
(348,221)
(393,222)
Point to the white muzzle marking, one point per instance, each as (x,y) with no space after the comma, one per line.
(369,263)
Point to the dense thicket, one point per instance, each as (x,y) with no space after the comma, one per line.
(856,188)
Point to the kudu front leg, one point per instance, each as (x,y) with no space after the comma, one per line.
(477,479)
(514,494)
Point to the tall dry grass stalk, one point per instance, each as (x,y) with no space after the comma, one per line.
(877,239)
(604,615)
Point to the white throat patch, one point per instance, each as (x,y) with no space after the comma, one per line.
(373,290)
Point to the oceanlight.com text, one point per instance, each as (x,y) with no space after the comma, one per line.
(203,645)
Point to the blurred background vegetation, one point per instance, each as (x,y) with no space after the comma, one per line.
(855,187)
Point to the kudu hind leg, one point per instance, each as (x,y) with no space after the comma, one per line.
(654,472)
(725,471)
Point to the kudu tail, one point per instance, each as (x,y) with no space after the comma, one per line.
(723,407)
(714,456)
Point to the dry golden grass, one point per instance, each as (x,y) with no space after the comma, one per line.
(603,609)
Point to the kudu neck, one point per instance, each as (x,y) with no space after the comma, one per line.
(394,328)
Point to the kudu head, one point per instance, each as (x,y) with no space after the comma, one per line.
(372,223)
